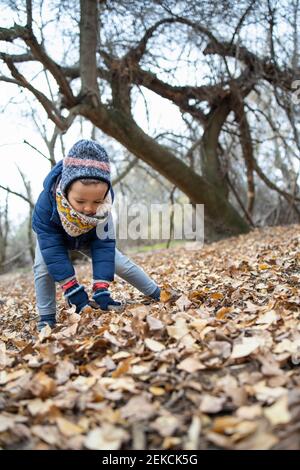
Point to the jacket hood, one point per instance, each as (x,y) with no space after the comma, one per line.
(52,176)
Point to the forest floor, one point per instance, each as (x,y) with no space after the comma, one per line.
(214,365)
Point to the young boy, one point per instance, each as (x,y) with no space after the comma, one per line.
(77,197)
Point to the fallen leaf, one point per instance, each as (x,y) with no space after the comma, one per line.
(106,437)
(190,365)
(38,407)
(157,391)
(154,345)
(122,368)
(245,347)
(42,385)
(63,371)
(154,323)
(6,377)
(49,434)
(138,408)
(183,303)
(83,384)
(193,436)
(278,413)
(166,425)
(211,404)
(67,428)
(178,330)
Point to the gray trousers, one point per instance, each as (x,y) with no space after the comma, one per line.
(45,285)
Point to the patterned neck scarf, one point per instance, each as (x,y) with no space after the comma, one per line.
(75,223)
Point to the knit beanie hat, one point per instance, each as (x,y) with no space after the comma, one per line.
(86,159)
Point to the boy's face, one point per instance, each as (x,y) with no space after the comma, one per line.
(86,198)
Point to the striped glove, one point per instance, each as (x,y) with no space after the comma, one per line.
(75,294)
(102,297)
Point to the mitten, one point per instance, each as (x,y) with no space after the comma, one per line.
(75,295)
(102,297)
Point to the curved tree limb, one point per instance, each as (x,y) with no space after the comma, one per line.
(262,67)
(49,107)
(247,148)
(18,194)
(39,53)
(125,172)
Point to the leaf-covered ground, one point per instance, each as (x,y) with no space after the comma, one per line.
(213,366)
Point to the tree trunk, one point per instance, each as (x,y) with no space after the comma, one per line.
(211,169)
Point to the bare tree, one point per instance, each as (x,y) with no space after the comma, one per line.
(31,242)
(120,50)
(4,231)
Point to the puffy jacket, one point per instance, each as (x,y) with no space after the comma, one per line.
(54,241)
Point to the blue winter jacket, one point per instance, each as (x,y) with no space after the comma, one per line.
(54,241)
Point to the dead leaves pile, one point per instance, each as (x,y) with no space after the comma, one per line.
(214,367)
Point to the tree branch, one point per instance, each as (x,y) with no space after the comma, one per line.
(125,172)
(88,47)
(29,14)
(18,194)
(261,66)
(39,53)
(45,102)
(289,197)
(247,148)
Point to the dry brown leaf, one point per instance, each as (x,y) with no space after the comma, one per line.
(138,408)
(165,295)
(157,391)
(8,421)
(245,347)
(178,330)
(6,377)
(249,412)
(67,428)
(48,434)
(166,425)
(38,407)
(190,364)
(45,333)
(267,318)
(106,437)
(193,436)
(140,312)
(154,323)
(267,394)
(222,312)
(211,404)
(63,371)
(42,385)
(122,368)
(279,412)
(183,303)
(83,384)
(154,345)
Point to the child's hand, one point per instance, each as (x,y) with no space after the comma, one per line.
(75,295)
(103,299)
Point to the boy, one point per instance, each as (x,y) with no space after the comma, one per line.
(77,197)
